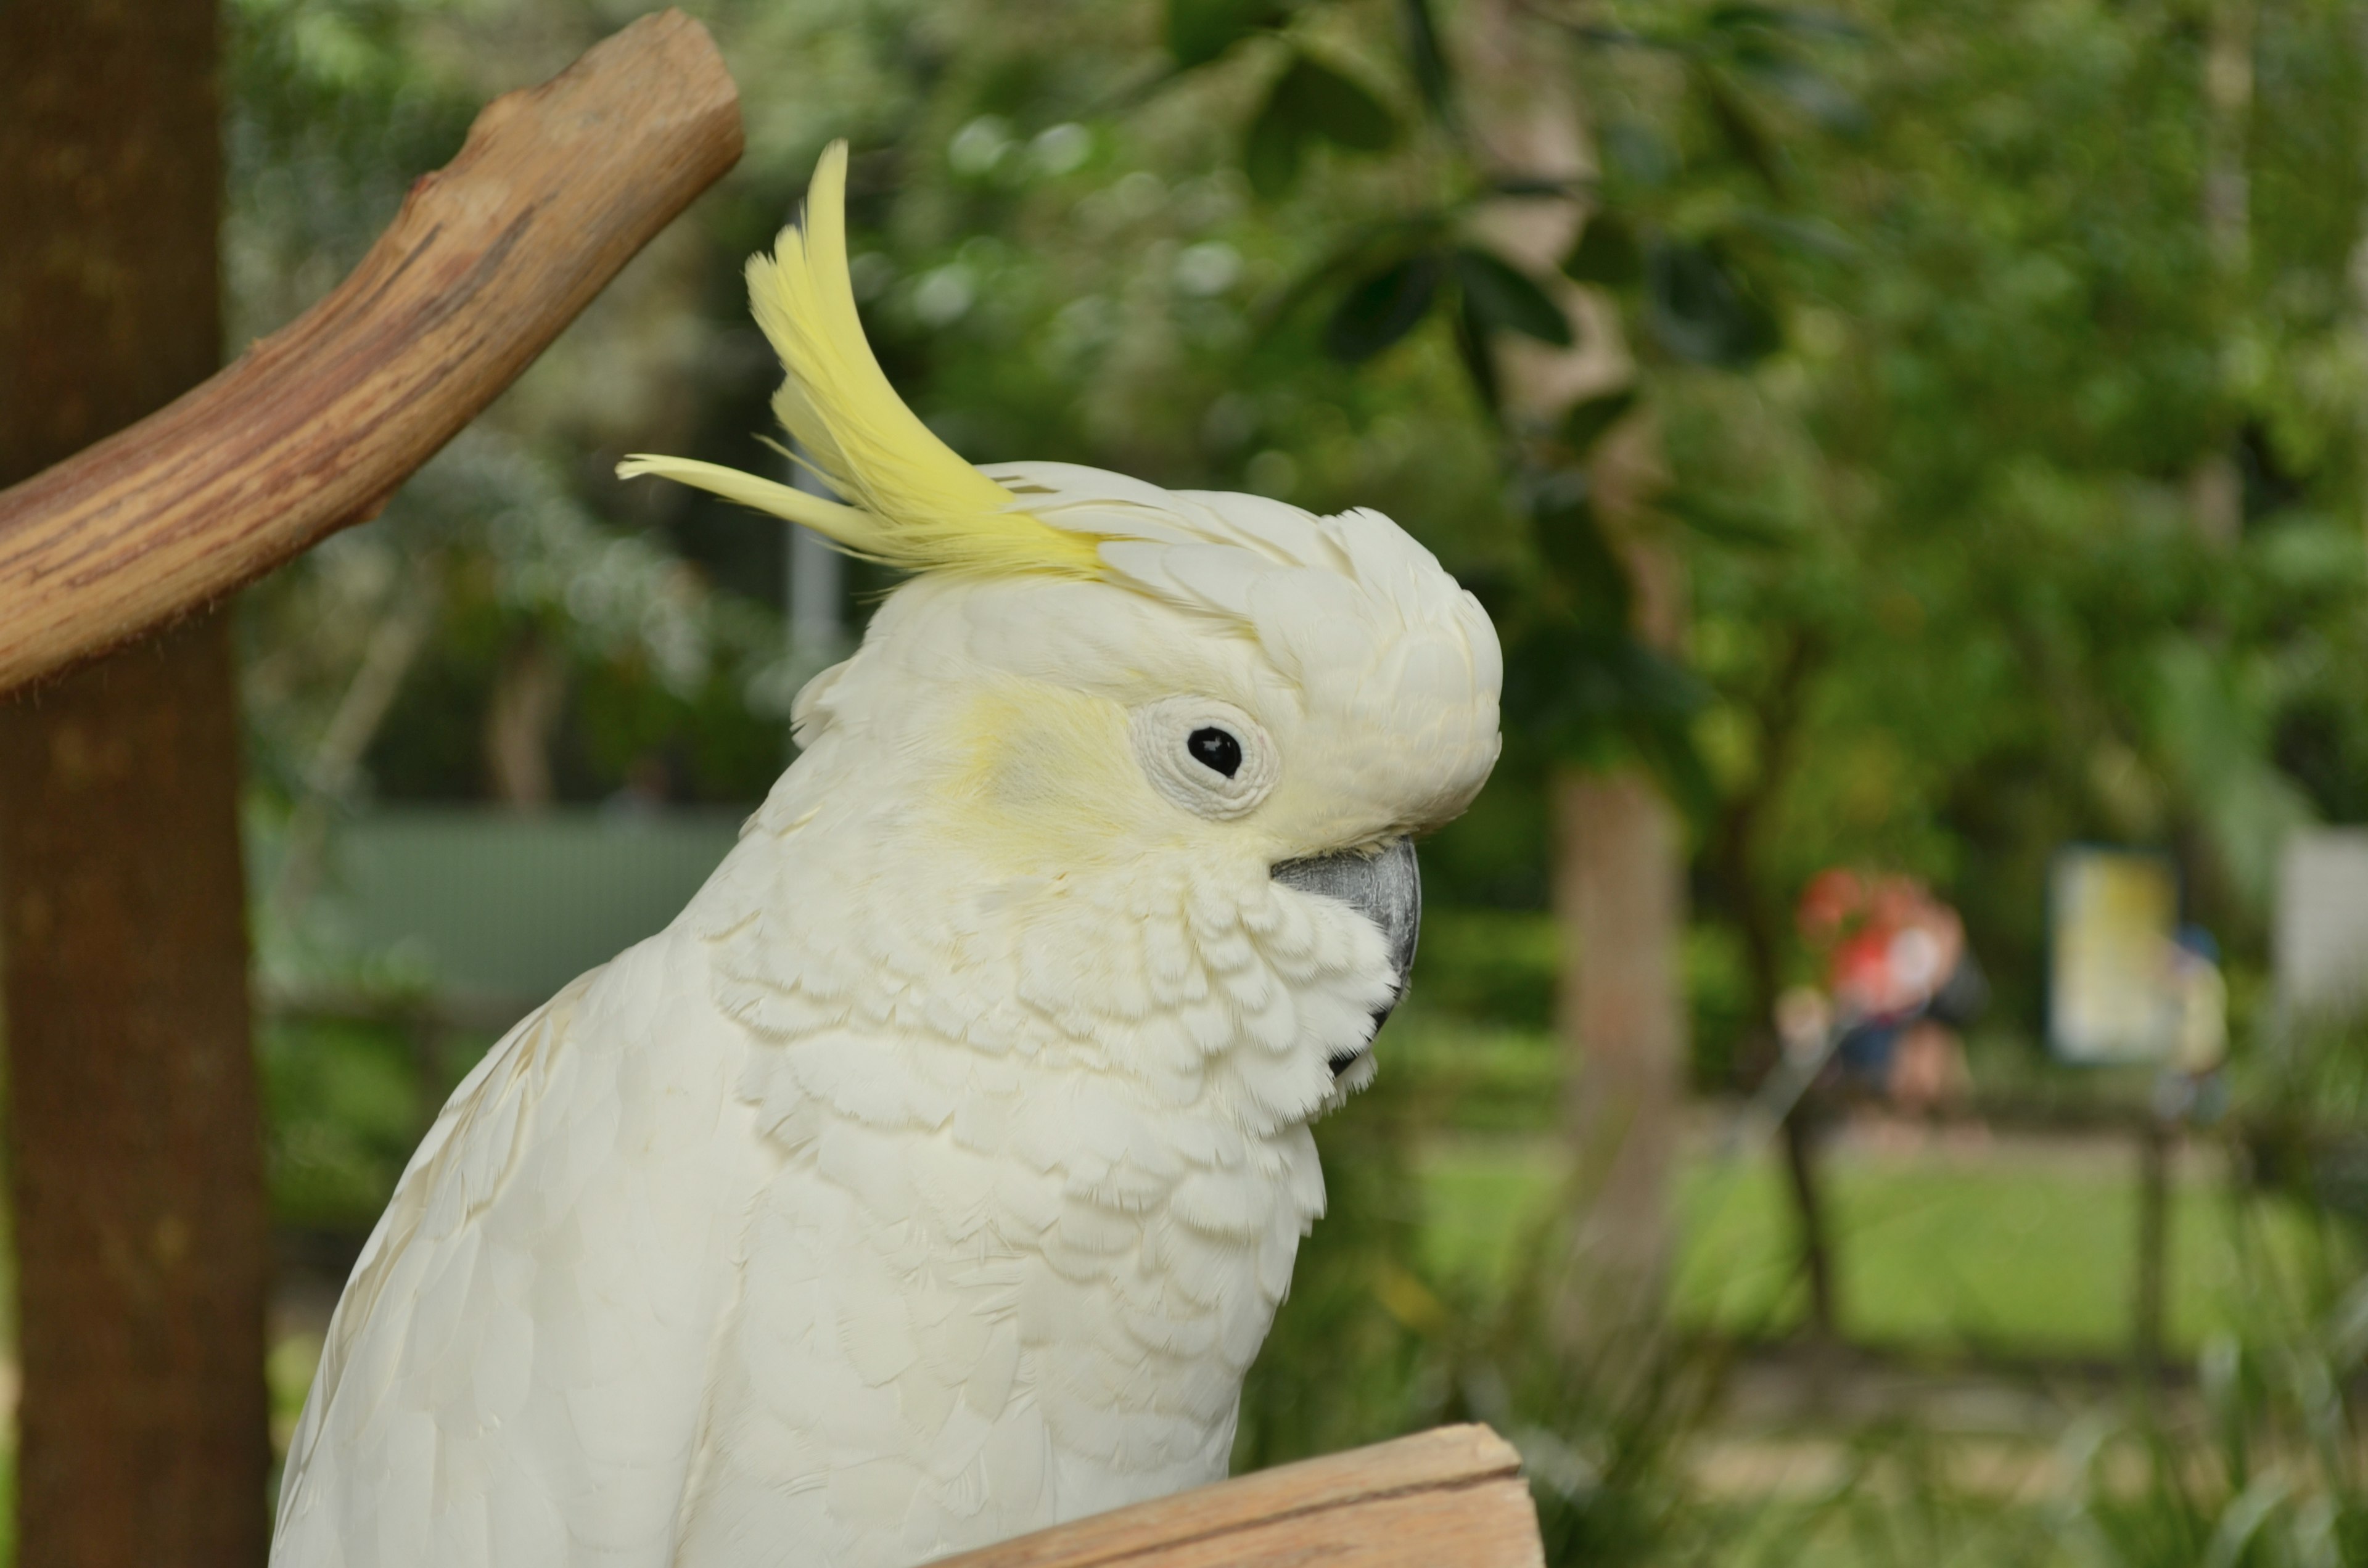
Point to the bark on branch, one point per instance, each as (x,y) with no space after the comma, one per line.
(314,426)
(1450,1498)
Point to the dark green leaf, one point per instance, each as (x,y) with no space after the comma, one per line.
(1740,131)
(1664,737)
(1382,307)
(1540,187)
(1587,577)
(1336,107)
(1587,690)
(1200,30)
(1607,253)
(1698,307)
(1354,256)
(1307,101)
(1504,300)
(1590,418)
(1426,60)
(1272,150)
(1479,359)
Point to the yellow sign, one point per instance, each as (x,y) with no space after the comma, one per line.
(2113,991)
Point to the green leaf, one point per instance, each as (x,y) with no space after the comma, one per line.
(1607,253)
(1740,131)
(1479,359)
(1425,59)
(1700,308)
(1589,578)
(1585,690)
(1504,299)
(1540,188)
(1591,419)
(1309,101)
(1336,109)
(1382,307)
(1200,30)
(1273,148)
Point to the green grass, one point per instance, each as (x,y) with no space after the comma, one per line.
(2006,1249)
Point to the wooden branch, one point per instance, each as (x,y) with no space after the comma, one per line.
(1450,1498)
(314,426)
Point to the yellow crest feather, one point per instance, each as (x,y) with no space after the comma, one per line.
(915,503)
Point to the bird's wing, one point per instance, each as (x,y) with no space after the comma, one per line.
(514,1374)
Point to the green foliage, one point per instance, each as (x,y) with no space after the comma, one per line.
(1427,60)
(1700,308)
(1311,102)
(1200,30)
(1962,495)
(1504,299)
(1607,253)
(1586,691)
(1591,419)
(1384,307)
(346,1103)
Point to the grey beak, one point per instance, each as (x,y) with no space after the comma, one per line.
(1386,889)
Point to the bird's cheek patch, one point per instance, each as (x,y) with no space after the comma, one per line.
(1044,772)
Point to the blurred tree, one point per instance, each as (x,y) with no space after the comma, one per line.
(140,1236)
(2000,617)
(1616,845)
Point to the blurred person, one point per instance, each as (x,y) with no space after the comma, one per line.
(2200,993)
(1903,982)
(2192,1086)
(1805,1024)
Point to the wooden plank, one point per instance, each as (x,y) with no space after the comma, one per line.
(311,430)
(1449,1498)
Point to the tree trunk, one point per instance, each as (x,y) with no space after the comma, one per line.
(2153,1269)
(1618,869)
(1620,900)
(528,693)
(132,1118)
(1732,858)
(1813,1232)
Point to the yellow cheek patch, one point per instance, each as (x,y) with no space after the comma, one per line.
(1045,776)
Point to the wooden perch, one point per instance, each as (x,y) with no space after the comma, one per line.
(1452,1498)
(314,426)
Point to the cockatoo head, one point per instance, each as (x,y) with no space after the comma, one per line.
(1099,706)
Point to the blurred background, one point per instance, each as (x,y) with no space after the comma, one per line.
(1885,1079)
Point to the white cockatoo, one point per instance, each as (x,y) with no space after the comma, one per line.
(934,1176)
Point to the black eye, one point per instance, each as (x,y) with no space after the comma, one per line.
(1214,749)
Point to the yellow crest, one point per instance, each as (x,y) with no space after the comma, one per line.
(915,503)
